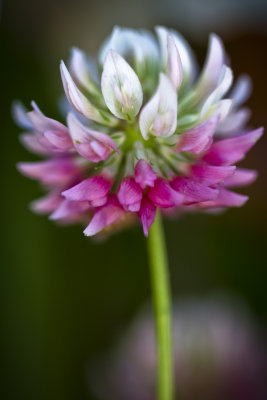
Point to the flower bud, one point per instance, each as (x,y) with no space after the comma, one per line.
(121,87)
(159,116)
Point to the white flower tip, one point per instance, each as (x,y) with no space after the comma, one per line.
(121,87)
(242,89)
(189,65)
(223,108)
(76,129)
(159,116)
(162,33)
(174,64)
(68,83)
(216,45)
(83,71)
(75,51)
(63,67)
(20,115)
(70,118)
(158,28)
(77,60)
(226,77)
(225,82)
(113,41)
(65,76)
(212,68)
(35,107)
(75,97)
(215,57)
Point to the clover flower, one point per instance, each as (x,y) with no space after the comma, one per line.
(141,133)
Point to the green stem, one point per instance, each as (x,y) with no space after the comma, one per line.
(162,308)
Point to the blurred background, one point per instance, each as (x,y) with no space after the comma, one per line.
(66,298)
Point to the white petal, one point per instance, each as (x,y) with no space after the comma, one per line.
(241,90)
(128,42)
(121,87)
(222,108)
(41,123)
(82,72)
(225,82)
(78,66)
(159,115)
(212,68)
(78,131)
(174,64)
(78,101)
(19,114)
(234,121)
(186,54)
(145,47)
(148,114)
(116,41)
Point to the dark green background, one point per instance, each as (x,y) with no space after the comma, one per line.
(65,297)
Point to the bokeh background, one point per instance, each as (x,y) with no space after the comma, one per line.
(67,298)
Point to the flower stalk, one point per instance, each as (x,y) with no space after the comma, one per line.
(161,294)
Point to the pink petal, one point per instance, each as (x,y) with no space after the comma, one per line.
(87,151)
(193,191)
(241,177)
(54,141)
(130,195)
(147,214)
(104,217)
(210,174)
(226,198)
(52,135)
(162,195)
(144,174)
(47,204)
(99,149)
(199,138)
(99,202)
(42,123)
(51,172)
(230,151)
(31,142)
(57,140)
(92,145)
(69,210)
(93,189)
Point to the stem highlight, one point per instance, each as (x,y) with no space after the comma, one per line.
(161,294)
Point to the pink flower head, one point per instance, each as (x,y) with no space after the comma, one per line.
(143,135)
